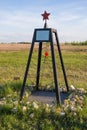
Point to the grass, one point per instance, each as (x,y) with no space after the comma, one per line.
(23,115)
(13,64)
(76,67)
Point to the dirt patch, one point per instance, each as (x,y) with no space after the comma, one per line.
(14,47)
(73,48)
(20,47)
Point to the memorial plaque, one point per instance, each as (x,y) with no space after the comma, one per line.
(42,35)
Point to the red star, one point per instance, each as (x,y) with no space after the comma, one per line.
(45,15)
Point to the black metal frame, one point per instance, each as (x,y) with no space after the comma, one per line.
(51,31)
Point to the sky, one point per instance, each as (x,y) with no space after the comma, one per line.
(19,18)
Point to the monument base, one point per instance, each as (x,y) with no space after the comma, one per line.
(47,97)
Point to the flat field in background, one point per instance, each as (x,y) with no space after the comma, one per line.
(13,59)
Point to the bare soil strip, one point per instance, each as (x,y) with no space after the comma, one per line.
(20,47)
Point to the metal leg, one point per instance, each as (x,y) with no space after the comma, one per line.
(55,74)
(38,66)
(61,59)
(26,72)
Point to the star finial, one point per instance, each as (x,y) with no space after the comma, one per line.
(45,15)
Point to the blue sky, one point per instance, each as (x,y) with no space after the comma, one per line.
(18,18)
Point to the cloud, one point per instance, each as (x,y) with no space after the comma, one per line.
(18,25)
(70,19)
(15,37)
(18,19)
(65,16)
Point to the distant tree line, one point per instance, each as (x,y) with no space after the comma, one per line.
(66,43)
(16,43)
(23,43)
(76,43)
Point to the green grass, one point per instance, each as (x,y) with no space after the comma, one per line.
(76,68)
(12,116)
(13,64)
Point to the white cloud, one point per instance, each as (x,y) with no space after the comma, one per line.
(18,26)
(14,37)
(69,19)
(65,16)
(19,19)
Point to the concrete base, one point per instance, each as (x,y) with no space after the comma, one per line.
(46,97)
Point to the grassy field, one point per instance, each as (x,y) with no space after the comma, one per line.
(16,115)
(13,64)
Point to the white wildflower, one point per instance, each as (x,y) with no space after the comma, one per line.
(82,91)
(72,87)
(81,98)
(24,109)
(62,113)
(47,107)
(14,110)
(72,108)
(15,103)
(65,107)
(48,87)
(31,115)
(74,113)
(35,105)
(27,102)
(76,97)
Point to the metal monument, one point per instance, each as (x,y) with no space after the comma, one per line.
(45,35)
